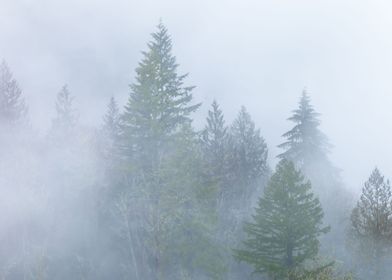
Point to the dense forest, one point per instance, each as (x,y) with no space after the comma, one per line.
(146,195)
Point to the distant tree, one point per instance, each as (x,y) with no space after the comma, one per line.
(305,143)
(248,150)
(371,224)
(286,227)
(110,129)
(66,117)
(215,139)
(111,120)
(12,106)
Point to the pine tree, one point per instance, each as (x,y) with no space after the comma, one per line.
(12,106)
(159,106)
(248,150)
(158,103)
(305,143)
(66,117)
(110,129)
(286,227)
(214,141)
(371,223)
(111,120)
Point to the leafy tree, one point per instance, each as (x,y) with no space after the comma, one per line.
(12,106)
(305,143)
(286,227)
(371,223)
(249,150)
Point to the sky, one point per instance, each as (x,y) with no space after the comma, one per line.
(260,54)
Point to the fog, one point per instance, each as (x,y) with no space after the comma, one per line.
(259,54)
(256,53)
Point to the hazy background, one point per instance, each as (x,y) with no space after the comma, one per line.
(260,54)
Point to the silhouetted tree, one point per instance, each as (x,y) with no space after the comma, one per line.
(305,143)
(12,106)
(66,117)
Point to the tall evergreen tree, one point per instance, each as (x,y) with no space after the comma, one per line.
(110,129)
(214,140)
(286,227)
(248,148)
(111,120)
(66,116)
(305,143)
(12,106)
(371,224)
(308,147)
(158,103)
(159,106)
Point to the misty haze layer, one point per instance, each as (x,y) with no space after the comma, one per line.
(114,165)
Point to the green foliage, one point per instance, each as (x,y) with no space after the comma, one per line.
(285,229)
(215,140)
(370,232)
(158,103)
(249,150)
(305,143)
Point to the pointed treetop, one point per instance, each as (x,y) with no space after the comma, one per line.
(304,142)
(66,116)
(12,106)
(158,98)
(111,120)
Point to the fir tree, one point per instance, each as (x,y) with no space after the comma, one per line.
(215,143)
(159,106)
(66,117)
(371,223)
(248,150)
(286,227)
(158,103)
(308,148)
(111,120)
(305,143)
(111,129)
(12,106)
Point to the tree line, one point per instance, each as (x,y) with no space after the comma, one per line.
(148,196)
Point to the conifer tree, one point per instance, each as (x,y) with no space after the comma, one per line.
(371,224)
(111,129)
(305,143)
(111,120)
(158,104)
(214,140)
(12,106)
(248,150)
(66,117)
(286,227)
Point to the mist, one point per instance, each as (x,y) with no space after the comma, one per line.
(57,182)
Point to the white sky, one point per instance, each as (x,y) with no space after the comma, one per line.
(260,54)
